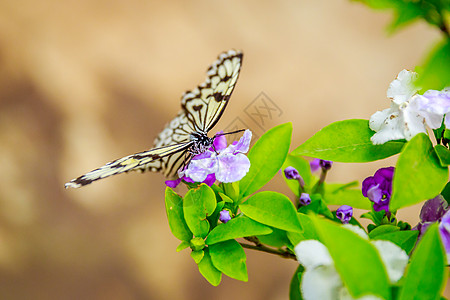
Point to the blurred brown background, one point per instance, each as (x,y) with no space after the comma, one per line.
(84,82)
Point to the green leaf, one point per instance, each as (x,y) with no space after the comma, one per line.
(405,239)
(236,228)
(294,287)
(198,204)
(214,218)
(340,194)
(229,258)
(174,210)
(418,175)
(303,168)
(183,245)
(226,198)
(446,192)
(197,256)
(425,277)
(435,73)
(273,209)
(317,206)
(347,141)
(356,260)
(208,270)
(278,238)
(443,155)
(266,158)
(382,229)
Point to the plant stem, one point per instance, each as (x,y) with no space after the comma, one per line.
(262,248)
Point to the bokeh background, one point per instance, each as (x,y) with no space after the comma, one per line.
(83,82)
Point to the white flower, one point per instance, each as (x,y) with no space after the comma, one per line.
(320,280)
(409,112)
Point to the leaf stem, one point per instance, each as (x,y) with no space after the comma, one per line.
(262,248)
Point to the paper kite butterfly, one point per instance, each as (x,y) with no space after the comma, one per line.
(186,135)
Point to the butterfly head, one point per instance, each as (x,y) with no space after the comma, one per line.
(201,142)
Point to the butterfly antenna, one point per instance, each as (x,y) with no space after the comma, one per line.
(232,132)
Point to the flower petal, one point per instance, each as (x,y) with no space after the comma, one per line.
(321,283)
(312,253)
(402,88)
(394,258)
(231,168)
(220,141)
(390,130)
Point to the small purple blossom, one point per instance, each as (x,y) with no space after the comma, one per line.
(228,164)
(305,199)
(431,212)
(291,173)
(444,230)
(344,213)
(378,188)
(224,216)
(317,163)
(314,164)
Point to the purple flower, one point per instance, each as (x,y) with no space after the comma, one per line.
(444,230)
(431,212)
(344,213)
(291,173)
(305,199)
(224,216)
(228,164)
(314,164)
(378,188)
(317,163)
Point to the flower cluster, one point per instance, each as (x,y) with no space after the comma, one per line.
(378,188)
(222,163)
(409,111)
(320,280)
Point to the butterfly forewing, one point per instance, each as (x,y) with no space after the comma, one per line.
(205,104)
(201,108)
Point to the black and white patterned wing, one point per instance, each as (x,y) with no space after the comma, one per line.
(205,104)
(151,159)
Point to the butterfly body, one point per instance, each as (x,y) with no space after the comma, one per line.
(187,134)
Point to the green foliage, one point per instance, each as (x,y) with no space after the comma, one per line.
(266,158)
(435,72)
(273,209)
(229,258)
(340,194)
(174,210)
(294,287)
(425,276)
(236,228)
(355,259)
(443,155)
(198,204)
(347,141)
(418,174)
(208,270)
(404,239)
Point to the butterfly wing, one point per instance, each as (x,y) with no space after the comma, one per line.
(205,104)
(151,159)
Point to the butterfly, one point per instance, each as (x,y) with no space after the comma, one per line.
(187,134)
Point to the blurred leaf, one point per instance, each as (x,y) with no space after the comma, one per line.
(198,204)
(303,168)
(340,194)
(229,258)
(208,270)
(382,229)
(425,277)
(309,231)
(443,155)
(294,287)
(405,239)
(197,256)
(266,157)
(236,228)
(174,210)
(278,238)
(273,209)
(418,175)
(347,141)
(435,73)
(356,260)
(446,192)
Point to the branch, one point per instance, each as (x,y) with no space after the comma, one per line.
(262,248)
